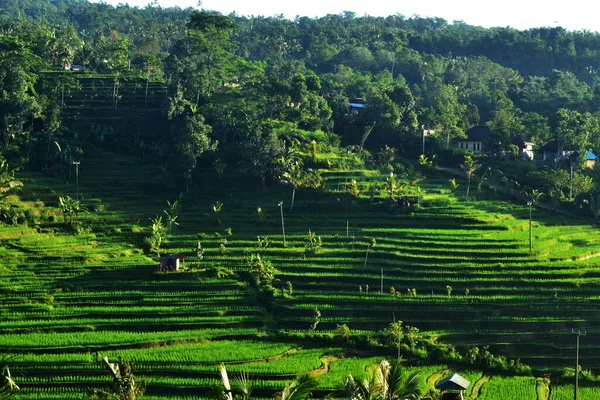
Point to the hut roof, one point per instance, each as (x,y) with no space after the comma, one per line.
(478,133)
(454,382)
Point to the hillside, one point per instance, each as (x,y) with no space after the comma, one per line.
(335,191)
(69,298)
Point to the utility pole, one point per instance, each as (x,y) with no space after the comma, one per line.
(530,204)
(423,152)
(282,224)
(76,164)
(579,333)
(571,187)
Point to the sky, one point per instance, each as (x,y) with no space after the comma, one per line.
(520,14)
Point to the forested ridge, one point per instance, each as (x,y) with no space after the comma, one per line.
(224,84)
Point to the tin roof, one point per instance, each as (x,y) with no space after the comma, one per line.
(454,382)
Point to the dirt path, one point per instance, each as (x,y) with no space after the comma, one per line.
(268,359)
(477,387)
(326,361)
(435,378)
(542,389)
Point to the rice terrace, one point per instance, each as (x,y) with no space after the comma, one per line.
(199,206)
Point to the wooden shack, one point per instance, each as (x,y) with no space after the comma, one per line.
(171,262)
(453,387)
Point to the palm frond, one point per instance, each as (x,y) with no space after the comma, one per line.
(8,387)
(299,389)
(225,380)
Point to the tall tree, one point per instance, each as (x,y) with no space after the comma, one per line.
(18,104)
(469,166)
(571,128)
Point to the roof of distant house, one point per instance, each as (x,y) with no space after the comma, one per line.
(589,156)
(478,133)
(454,382)
(553,147)
(520,140)
(357,102)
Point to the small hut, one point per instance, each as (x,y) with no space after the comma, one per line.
(172,262)
(453,387)
(356,104)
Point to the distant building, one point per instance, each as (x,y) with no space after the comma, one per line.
(453,387)
(590,158)
(525,146)
(475,138)
(171,263)
(427,132)
(74,67)
(356,104)
(549,151)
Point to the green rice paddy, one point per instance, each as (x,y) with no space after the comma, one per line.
(69,299)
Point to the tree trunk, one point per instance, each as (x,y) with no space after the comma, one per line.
(293,197)
(146,98)
(468,186)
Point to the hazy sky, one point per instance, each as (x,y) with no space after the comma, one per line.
(520,14)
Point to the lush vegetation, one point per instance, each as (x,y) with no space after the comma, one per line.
(312,237)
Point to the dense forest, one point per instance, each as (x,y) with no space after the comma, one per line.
(179,84)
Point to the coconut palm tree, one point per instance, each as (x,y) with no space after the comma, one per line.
(469,166)
(239,388)
(125,385)
(299,389)
(388,381)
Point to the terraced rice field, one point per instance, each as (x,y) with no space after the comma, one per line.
(68,299)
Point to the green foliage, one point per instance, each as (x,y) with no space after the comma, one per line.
(125,385)
(299,389)
(392,184)
(314,243)
(70,209)
(172,213)
(261,269)
(394,333)
(343,332)
(387,381)
(263,242)
(158,233)
(217,209)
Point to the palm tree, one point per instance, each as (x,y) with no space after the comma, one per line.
(469,166)
(8,387)
(239,389)
(125,386)
(299,389)
(70,208)
(388,381)
(365,389)
(293,177)
(8,182)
